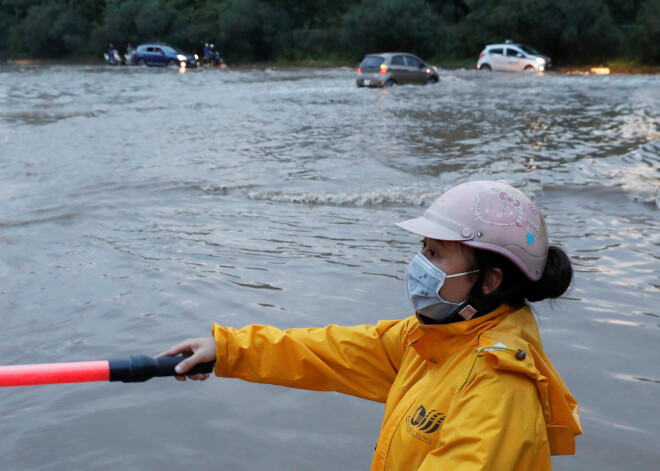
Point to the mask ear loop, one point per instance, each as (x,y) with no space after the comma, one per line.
(461,274)
(465,309)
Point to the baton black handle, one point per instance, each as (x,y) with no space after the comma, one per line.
(139,368)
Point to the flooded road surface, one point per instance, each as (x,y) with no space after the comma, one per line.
(139,206)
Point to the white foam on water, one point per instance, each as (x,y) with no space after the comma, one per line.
(410,198)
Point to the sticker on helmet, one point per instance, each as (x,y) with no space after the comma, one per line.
(500,209)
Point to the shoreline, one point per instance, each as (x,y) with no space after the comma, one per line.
(609,69)
(614,68)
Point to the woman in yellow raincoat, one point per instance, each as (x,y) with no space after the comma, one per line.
(465,382)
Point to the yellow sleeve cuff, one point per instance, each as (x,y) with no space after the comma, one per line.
(221,336)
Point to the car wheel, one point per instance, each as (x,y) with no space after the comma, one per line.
(432,80)
(389,83)
(485,67)
(141,63)
(529,67)
(171,63)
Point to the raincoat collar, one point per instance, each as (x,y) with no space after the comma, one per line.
(515,329)
(469,327)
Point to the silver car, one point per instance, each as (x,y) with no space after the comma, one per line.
(394,68)
(512,57)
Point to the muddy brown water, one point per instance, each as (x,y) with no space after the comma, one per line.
(139,206)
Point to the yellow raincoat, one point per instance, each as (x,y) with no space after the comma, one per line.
(440,412)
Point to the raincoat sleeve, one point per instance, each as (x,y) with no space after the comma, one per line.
(494,423)
(361,361)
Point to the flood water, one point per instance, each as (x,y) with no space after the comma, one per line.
(140,206)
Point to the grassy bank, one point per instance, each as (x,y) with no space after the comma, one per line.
(614,67)
(335,61)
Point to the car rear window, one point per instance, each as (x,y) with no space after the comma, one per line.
(397,60)
(496,50)
(371,61)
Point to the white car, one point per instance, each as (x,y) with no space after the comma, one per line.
(512,57)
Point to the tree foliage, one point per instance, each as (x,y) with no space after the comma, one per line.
(571,31)
(392,25)
(253,30)
(647,33)
(53,29)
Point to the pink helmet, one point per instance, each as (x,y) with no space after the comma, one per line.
(491,216)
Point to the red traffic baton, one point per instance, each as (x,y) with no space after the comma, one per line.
(135,369)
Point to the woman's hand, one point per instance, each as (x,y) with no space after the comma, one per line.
(202,350)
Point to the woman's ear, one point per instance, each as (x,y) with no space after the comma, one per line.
(492,280)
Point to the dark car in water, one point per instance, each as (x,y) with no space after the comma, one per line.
(162,55)
(394,68)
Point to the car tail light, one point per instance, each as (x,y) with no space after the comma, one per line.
(383,69)
(481,54)
(359,70)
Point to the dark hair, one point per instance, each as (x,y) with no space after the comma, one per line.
(515,287)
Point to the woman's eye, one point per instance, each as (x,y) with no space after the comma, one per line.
(429,252)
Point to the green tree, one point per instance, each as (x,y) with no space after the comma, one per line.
(392,25)
(252,30)
(157,21)
(201,20)
(451,11)
(623,11)
(578,31)
(572,30)
(315,14)
(119,24)
(135,21)
(54,29)
(647,34)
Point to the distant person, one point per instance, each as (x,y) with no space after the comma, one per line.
(113,55)
(207,52)
(465,381)
(214,55)
(129,53)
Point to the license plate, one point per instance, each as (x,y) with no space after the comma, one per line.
(367,82)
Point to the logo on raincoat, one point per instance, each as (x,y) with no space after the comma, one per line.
(421,424)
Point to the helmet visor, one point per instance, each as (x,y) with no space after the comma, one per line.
(436,227)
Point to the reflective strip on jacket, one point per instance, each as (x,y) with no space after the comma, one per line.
(504,413)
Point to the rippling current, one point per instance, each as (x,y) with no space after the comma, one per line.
(139,206)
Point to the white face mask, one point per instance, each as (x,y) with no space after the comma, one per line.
(423,283)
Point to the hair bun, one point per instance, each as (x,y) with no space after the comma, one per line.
(556,279)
